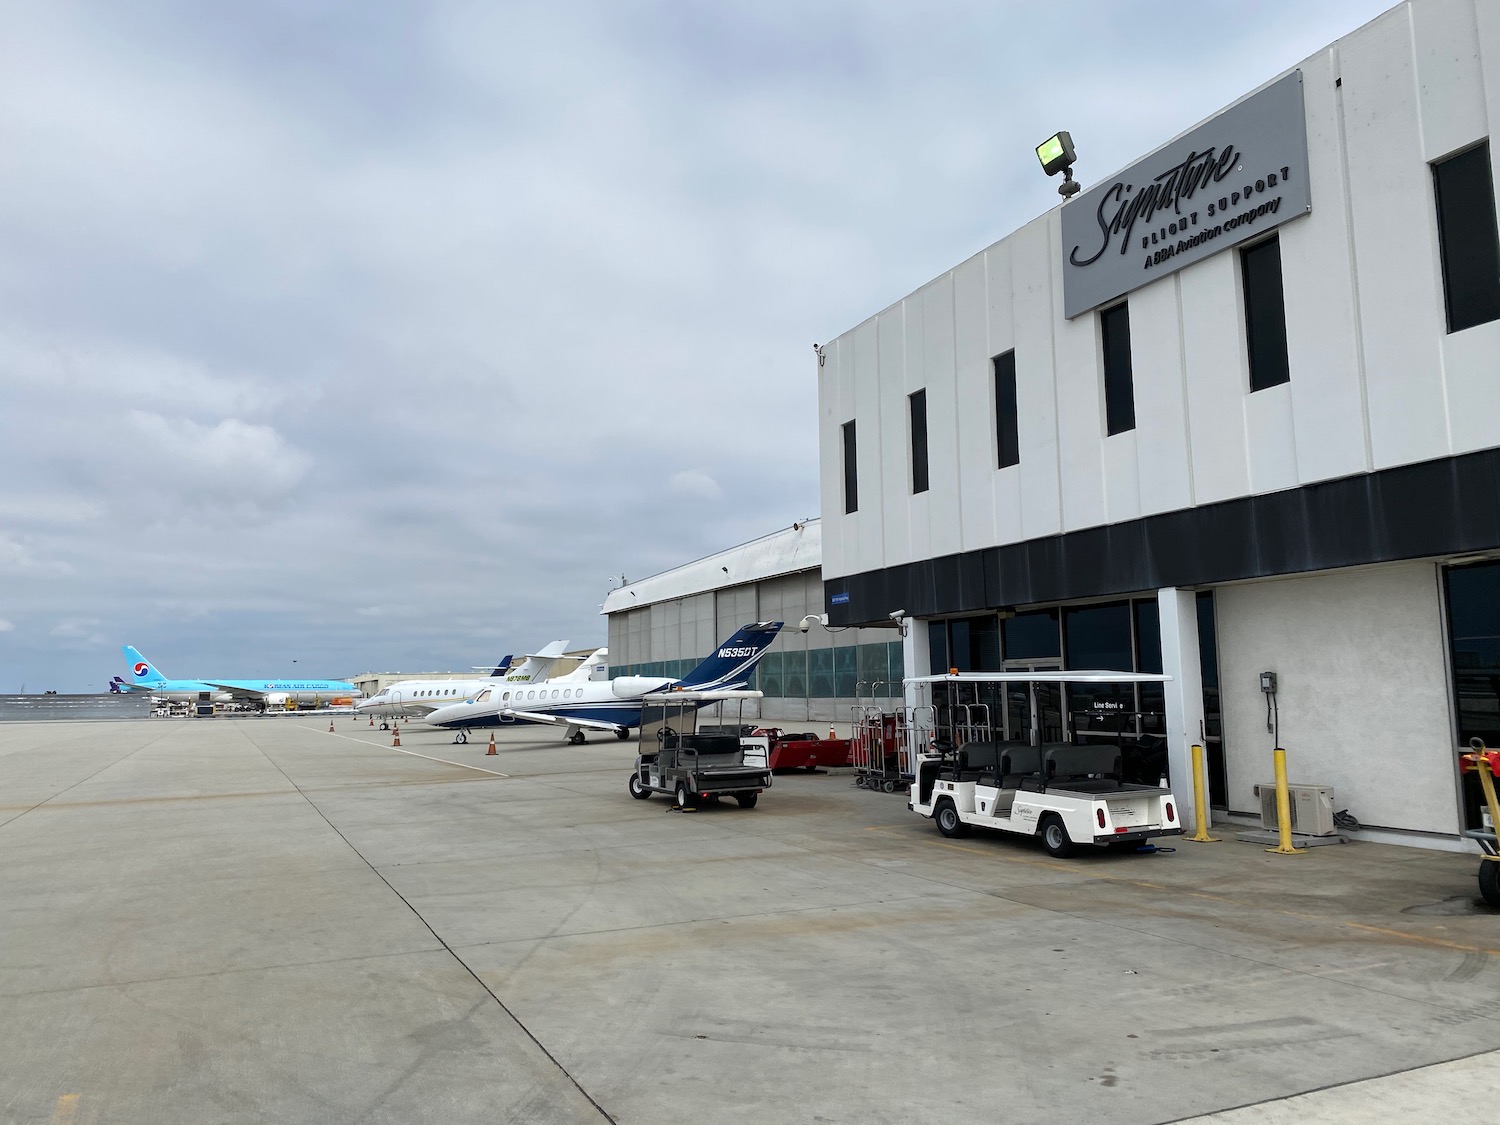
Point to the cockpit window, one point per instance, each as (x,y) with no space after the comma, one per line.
(482,696)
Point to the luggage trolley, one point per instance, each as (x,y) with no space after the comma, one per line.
(885,746)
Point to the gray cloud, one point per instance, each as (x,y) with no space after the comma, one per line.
(375,335)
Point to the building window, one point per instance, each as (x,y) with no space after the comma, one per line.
(1265,314)
(1467,238)
(1119,383)
(917,408)
(1474,634)
(851,470)
(1032,636)
(1007,432)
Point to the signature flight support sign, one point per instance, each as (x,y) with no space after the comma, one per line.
(1227,181)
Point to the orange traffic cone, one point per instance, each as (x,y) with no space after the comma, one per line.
(372,720)
(491,750)
(832,734)
(396,741)
(330,726)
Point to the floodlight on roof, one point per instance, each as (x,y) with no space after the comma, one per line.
(1056,155)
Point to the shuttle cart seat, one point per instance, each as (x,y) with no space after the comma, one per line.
(1018,760)
(1077,760)
(988,761)
(711,743)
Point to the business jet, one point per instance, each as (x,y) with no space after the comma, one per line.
(605,705)
(419,697)
(262,693)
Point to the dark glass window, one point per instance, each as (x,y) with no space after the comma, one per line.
(1467,239)
(1265,314)
(1474,632)
(1007,429)
(937,647)
(974,643)
(917,403)
(1032,636)
(1119,382)
(1098,636)
(851,470)
(1213,726)
(1147,637)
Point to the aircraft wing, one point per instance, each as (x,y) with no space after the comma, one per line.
(238,692)
(559,720)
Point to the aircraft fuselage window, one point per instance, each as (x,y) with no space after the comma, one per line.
(505,698)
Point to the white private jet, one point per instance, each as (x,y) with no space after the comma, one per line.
(419,697)
(612,705)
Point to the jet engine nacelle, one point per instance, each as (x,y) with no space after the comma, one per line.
(628,687)
(276,699)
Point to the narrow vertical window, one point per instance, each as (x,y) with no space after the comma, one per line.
(1007,430)
(917,408)
(1119,382)
(1265,314)
(851,470)
(1467,238)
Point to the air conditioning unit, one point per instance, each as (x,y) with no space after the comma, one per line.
(1312,808)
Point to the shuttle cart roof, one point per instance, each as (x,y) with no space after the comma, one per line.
(1072,677)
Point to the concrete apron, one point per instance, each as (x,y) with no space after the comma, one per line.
(255,919)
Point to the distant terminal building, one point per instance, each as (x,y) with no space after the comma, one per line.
(666,624)
(1232,411)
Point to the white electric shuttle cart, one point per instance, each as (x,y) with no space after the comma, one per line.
(1027,756)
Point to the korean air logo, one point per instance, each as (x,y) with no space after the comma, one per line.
(732,653)
(141,668)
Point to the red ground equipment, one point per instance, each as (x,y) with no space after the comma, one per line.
(804,751)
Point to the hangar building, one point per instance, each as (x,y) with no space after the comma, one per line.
(666,624)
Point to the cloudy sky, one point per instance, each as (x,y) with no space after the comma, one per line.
(374,334)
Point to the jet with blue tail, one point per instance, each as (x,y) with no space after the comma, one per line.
(605,705)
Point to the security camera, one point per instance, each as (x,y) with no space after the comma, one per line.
(812,619)
(898,615)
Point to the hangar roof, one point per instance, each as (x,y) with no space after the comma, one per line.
(788,551)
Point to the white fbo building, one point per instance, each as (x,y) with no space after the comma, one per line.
(1234,409)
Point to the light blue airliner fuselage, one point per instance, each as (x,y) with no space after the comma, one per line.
(144,677)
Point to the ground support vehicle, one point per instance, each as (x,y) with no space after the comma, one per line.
(1486,763)
(1069,793)
(692,767)
(804,751)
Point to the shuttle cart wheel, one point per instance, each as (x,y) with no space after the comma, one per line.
(576,739)
(949,823)
(1489,881)
(1055,837)
(747,800)
(637,790)
(684,796)
(887,786)
(623,733)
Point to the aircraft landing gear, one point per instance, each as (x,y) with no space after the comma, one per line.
(576,738)
(461,737)
(384,725)
(623,733)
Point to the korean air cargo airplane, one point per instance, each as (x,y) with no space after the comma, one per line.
(605,705)
(144,676)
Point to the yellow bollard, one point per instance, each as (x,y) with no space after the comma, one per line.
(1283,808)
(1200,799)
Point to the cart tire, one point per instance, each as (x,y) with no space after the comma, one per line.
(859,782)
(685,796)
(949,823)
(747,800)
(1055,837)
(887,786)
(1489,881)
(637,790)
